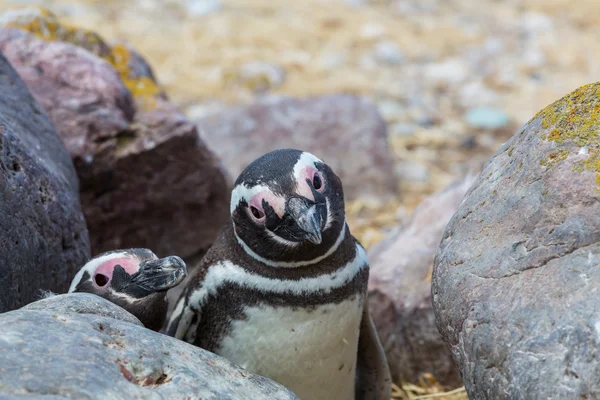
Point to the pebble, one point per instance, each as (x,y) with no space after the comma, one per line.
(486,118)
(198,8)
(402,129)
(388,52)
(371,31)
(449,71)
(391,111)
(261,76)
(412,171)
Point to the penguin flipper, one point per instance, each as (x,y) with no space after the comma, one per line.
(181,320)
(373,379)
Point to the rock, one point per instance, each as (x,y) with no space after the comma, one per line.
(336,128)
(450,71)
(53,349)
(388,52)
(147,179)
(43,235)
(412,171)
(202,7)
(487,118)
(516,275)
(400,293)
(258,76)
(402,129)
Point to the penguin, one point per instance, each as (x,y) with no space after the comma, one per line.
(283,290)
(135,279)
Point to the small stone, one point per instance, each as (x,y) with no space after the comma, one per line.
(487,118)
(388,52)
(451,71)
(259,76)
(412,171)
(371,31)
(402,129)
(536,22)
(391,111)
(476,94)
(198,8)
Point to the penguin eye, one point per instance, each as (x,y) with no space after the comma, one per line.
(317,181)
(101,280)
(256,213)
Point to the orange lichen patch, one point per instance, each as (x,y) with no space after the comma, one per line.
(574,119)
(144,89)
(45,25)
(554,158)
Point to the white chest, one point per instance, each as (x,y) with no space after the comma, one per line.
(312,352)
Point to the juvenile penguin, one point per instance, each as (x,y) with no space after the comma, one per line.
(135,279)
(283,290)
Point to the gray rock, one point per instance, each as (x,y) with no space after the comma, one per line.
(43,235)
(147,179)
(516,276)
(54,351)
(400,291)
(336,128)
(486,118)
(388,52)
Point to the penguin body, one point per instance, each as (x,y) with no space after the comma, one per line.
(282,292)
(135,279)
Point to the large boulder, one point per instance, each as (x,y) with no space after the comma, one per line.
(400,290)
(85,347)
(43,235)
(516,277)
(147,179)
(345,131)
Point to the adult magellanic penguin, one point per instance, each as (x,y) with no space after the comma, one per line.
(282,292)
(135,279)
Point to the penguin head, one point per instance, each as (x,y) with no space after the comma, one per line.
(135,279)
(287,208)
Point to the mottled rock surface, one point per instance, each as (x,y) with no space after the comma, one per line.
(400,290)
(43,235)
(516,276)
(147,179)
(347,132)
(60,348)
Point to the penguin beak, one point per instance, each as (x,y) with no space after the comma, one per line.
(307,217)
(160,275)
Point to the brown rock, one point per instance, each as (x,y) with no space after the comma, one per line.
(147,179)
(43,235)
(347,132)
(400,293)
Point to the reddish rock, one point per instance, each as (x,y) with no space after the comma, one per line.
(147,179)
(345,131)
(400,294)
(43,235)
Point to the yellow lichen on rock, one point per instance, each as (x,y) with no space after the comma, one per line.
(575,119)
(45,25)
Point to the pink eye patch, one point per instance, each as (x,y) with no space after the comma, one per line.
(104,273)
(276,202)
(304,188)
